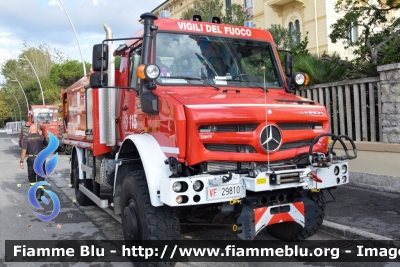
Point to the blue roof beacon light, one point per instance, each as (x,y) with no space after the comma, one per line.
(249,24)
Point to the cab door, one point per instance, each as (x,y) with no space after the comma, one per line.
(129,108)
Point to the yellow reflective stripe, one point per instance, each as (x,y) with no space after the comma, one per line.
(41,187)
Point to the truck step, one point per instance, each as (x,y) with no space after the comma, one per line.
(102,203)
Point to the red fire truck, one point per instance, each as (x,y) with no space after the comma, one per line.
(200,122)
(46,118)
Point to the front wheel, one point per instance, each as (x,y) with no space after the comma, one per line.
(140,219)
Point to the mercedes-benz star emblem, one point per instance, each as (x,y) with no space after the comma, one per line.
(270,138)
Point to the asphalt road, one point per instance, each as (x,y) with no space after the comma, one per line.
(373,211)
(18,222)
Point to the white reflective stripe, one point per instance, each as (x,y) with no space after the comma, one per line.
(249,105)
(266,218)
(168,149)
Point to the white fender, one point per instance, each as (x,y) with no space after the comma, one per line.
(153,160)
(79,154)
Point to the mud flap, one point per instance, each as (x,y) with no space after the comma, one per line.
(252,220)
(245,223)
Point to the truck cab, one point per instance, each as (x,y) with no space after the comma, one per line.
(200,121)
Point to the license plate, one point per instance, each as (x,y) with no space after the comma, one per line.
(227,191)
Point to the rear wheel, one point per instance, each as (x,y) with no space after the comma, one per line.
(67,149)
(292,231)
(24,132)
(61,146)
(81,198)
(140,219)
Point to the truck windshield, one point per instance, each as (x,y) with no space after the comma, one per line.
(45,114)
(219,60)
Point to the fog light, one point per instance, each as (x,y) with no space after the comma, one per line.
(344,179)
(344,169)
(179,199)
(177,186)
(336,170)
(197,186)
(338,180)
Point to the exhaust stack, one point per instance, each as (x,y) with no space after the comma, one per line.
(107,98)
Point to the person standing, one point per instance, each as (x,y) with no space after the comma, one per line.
(215,65)
(33,143)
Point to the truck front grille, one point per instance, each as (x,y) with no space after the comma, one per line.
(230,148)
(224,166)
(299,126)
(228,128)
(296,144)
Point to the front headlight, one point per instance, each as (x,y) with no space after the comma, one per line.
(344,169)
(152,71)
(336,170)
(148,71)
(177,186)
(299,78)
(197,186)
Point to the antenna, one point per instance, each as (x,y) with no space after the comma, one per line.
(266,113)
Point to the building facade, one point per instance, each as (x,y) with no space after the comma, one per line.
(311,17)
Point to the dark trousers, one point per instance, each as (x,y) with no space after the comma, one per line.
(32,176)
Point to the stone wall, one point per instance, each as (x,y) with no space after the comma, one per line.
(390,97)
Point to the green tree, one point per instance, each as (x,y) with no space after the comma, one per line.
(5,112)
(205,8)
(117,62)
(51,92)
(234,14)
(378,42)
(43,58)
(289,40)
(322,69)
(67,73)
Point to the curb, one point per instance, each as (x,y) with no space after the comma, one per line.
(376,182)
(352,233)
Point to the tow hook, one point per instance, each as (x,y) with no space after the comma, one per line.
(315,177)
(235,201)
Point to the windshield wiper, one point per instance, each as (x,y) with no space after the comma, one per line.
(251,86)
(188,78)
(181,77)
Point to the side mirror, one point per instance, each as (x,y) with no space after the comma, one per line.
(288,65)
(98,80)
(120,50)
(100,57)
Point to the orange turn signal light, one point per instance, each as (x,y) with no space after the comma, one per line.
(307,79)
(140,71)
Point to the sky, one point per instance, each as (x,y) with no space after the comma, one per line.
(44,21)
